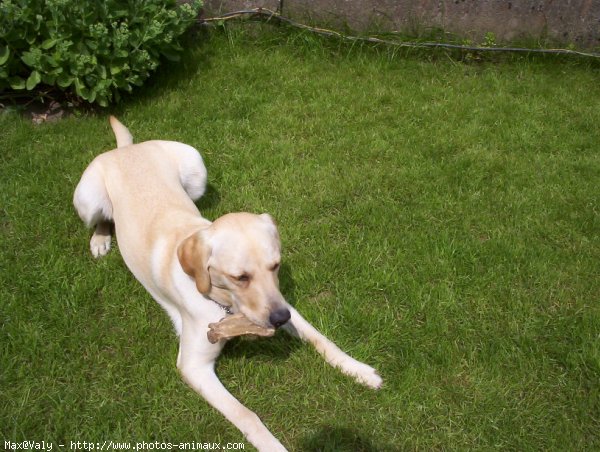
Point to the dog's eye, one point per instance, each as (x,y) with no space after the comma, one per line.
(275,267)
(243,277)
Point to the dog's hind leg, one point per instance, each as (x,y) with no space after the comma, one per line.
(94,208)
(363,373)
(101,238)
(196,362)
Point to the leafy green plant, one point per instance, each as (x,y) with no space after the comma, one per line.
(489,40)
(91,49)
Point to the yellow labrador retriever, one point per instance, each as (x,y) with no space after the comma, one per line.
(196,269)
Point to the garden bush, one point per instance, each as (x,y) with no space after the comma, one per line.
(93,50)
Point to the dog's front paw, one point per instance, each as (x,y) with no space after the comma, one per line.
(363,373)
(100,245)
(369,377)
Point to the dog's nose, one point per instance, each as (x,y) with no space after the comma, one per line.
(279,317)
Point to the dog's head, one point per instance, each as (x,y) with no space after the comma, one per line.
(236,263)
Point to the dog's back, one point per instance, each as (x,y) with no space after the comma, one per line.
(143,188)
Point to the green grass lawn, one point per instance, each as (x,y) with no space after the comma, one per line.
(440,221)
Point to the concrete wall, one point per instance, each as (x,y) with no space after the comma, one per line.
(563,21)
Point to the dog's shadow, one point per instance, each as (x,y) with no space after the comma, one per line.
(210,199)
(341,439)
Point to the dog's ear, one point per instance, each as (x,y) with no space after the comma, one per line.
(193,254)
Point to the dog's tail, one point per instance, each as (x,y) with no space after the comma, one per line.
(124,137)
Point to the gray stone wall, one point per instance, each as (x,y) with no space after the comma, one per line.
(566,22)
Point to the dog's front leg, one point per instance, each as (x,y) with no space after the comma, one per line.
(363,373)
(196,362)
